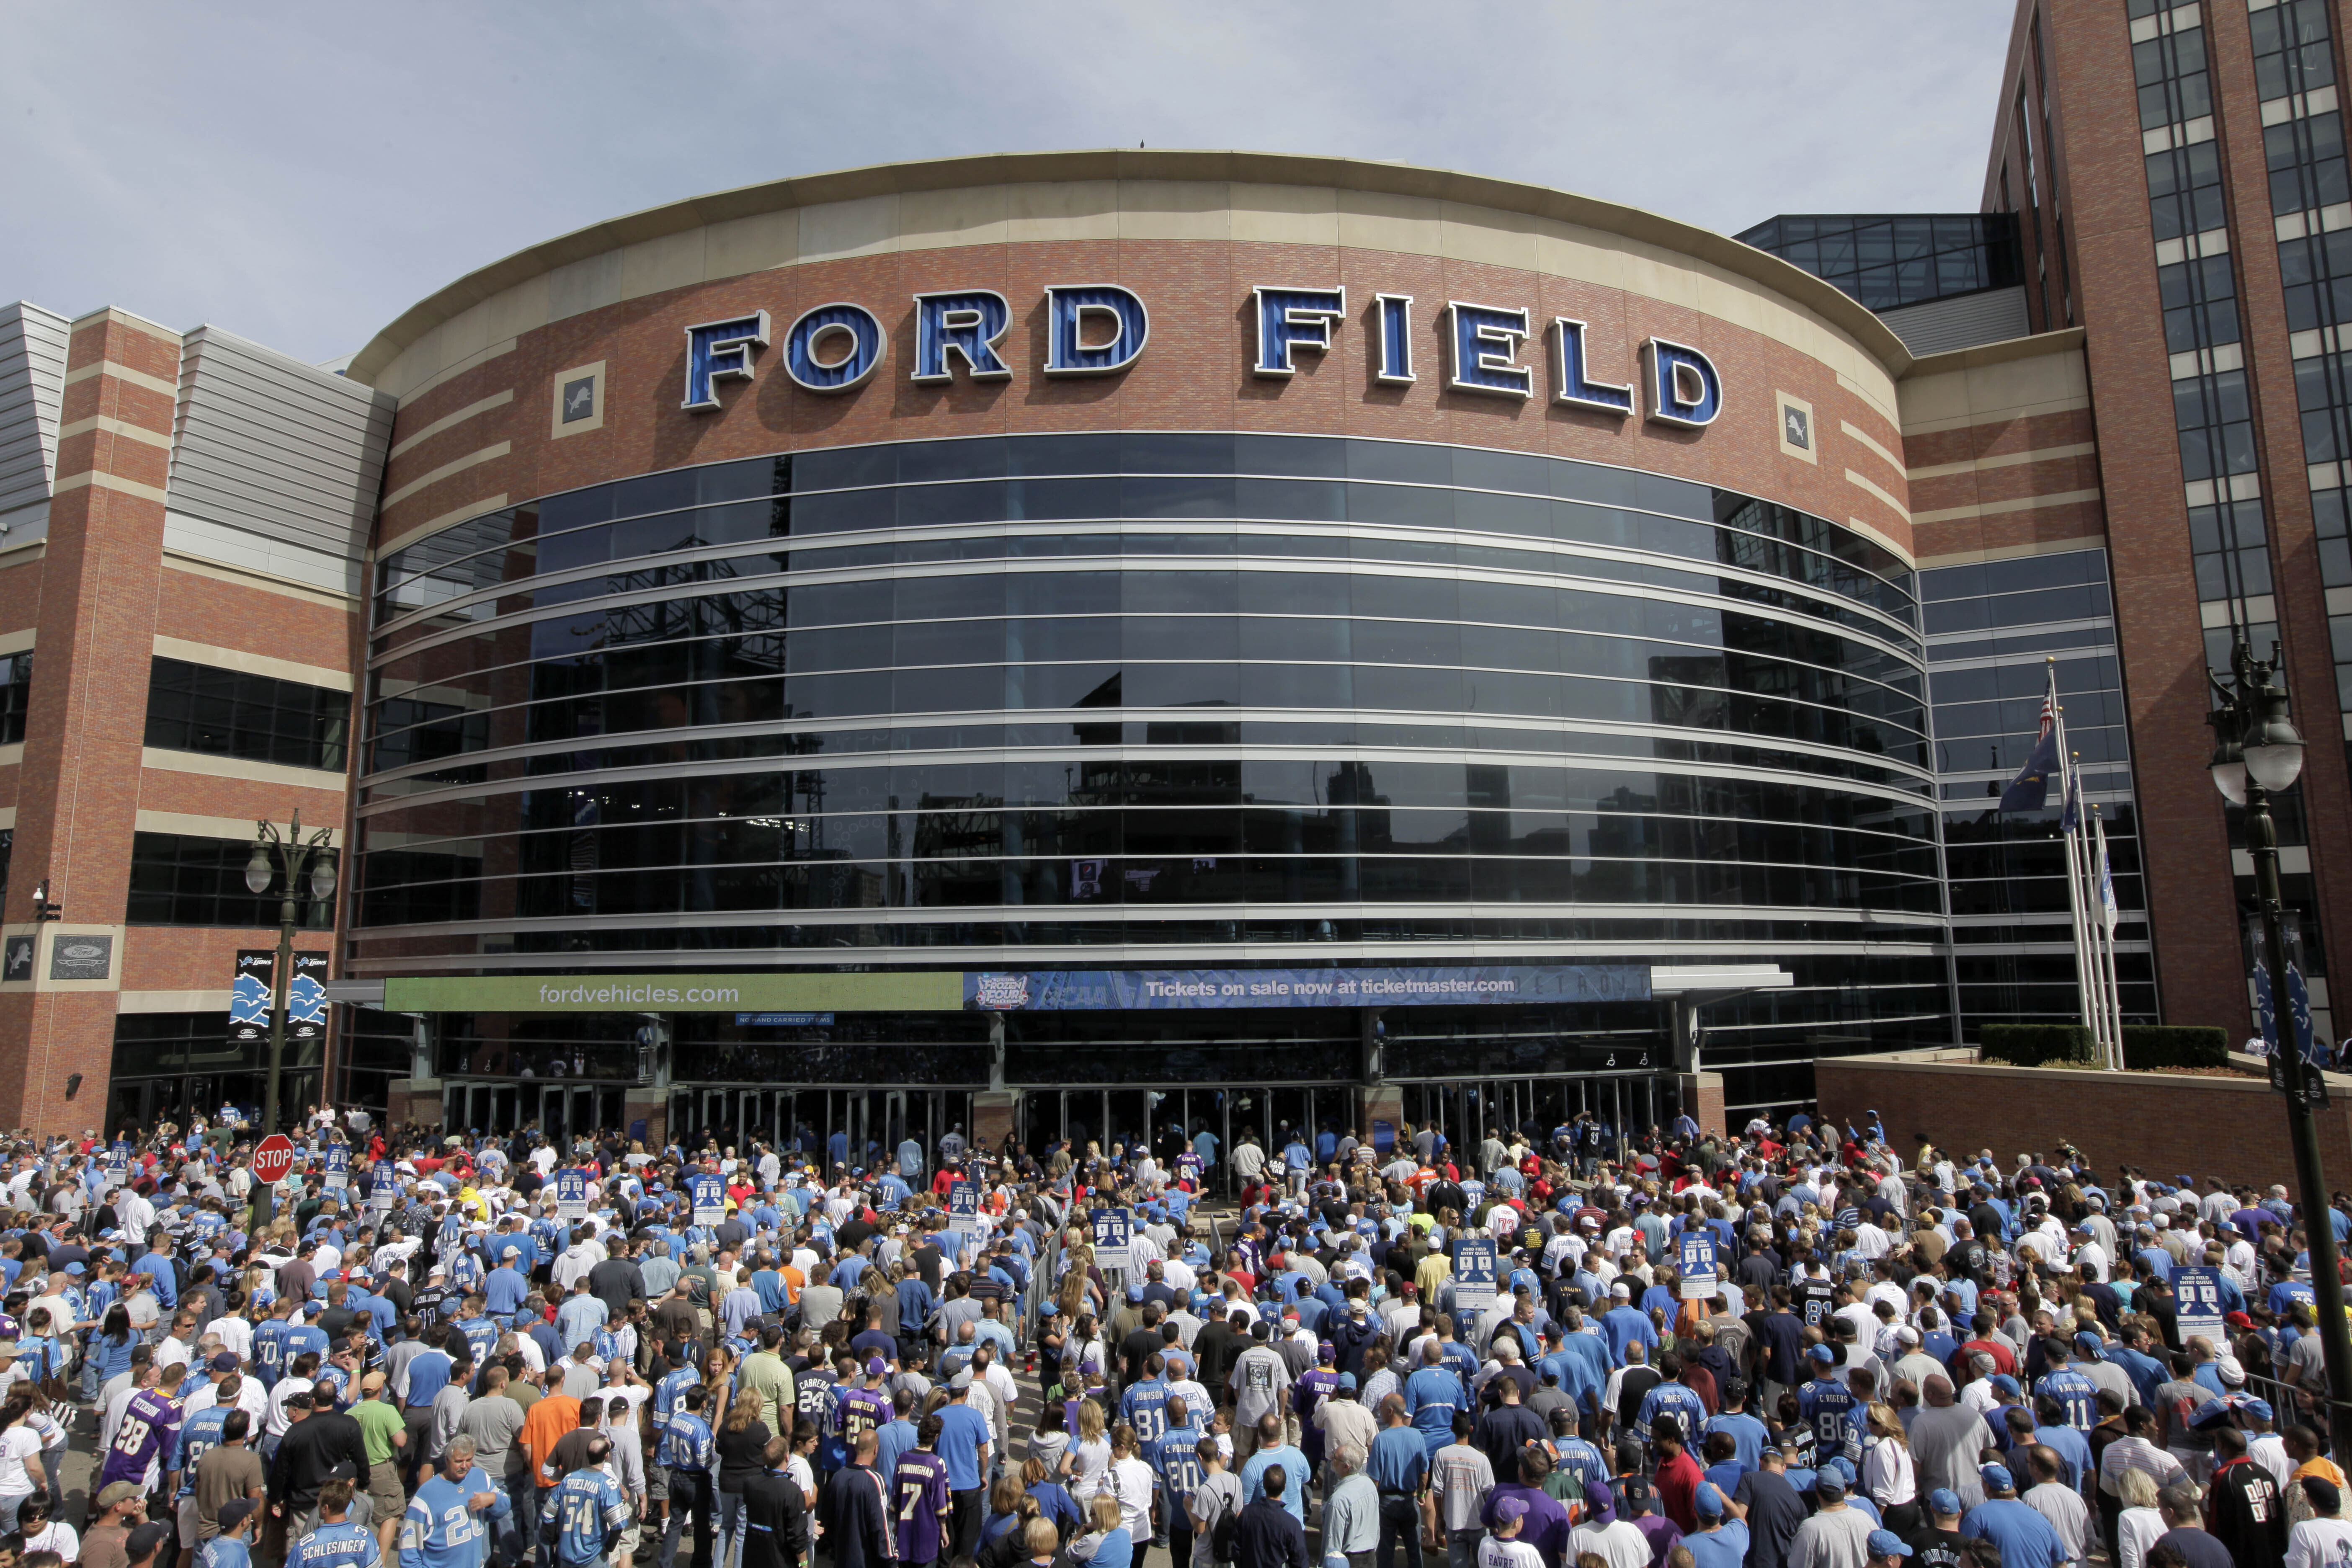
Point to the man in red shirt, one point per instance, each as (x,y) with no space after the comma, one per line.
(1678,1474)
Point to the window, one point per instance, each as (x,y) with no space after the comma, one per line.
(2184,190)
(2173,83)
(1900,260)
(2291,52)
(179,880)
(15,694)
(2305,158)
(232,714)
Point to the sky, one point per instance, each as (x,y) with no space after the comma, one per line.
(301,175)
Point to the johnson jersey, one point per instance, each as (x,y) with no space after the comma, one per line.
(672,1384)
(150,1426)
(864,1410)
(589,1510)
(335,1546)
(1144,1407)
(199,1433)
(919,1504)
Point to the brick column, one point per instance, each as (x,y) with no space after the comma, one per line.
(78,802)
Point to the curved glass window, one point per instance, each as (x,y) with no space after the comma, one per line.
(1143,692)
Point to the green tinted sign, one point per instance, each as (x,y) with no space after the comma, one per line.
(932,991)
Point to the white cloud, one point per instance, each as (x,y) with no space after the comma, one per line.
(301,175)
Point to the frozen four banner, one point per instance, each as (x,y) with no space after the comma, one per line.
(1147,990)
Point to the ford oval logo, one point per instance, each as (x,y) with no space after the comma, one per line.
(83,950)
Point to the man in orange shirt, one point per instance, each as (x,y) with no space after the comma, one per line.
(556,1414)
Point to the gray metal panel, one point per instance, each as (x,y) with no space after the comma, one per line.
(32,388)
(267,444)
(1963,321)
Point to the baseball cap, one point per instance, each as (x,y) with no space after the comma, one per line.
(2003,1383)
(1709,1500)
(1828,1482)
(1821,1353)
(1637,1496)
(1997,1478)
(1509,1509)
(2325,1496)
(1348,1381)
(118,1492)
(143,1540)
(1886,1544)
(876,1366)
(1944,1500)
(235,1511)
(225,1362)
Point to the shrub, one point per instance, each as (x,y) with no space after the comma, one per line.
(2030,1044)
(2147,1046)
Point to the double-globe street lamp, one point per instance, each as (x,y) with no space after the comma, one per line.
(2257,752)
(301,861)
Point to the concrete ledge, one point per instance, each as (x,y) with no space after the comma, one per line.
(2164,1123)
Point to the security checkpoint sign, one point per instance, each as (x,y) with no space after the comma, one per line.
(337,1177)
(963,1208)
(1473,1275)
(384,1187)
(1701,1276)
(709,1198)
(1114,1239)
(118,1165)
(571,1195)
(2197,1301)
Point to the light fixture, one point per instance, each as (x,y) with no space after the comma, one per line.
(256,872)
(2273,751)
(323,877)
(2229,764)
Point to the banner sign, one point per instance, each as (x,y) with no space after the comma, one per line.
(2197,1301)
(249,995)
(306,999)
(383,1188)
(337,1176)
(1473,1275)
(933,992)
(1701,1278)
(709,1198)
(118,1165)
(963,1208)
(571,1195)
(1154,990)
(783,1020)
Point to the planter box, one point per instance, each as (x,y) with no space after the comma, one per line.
(2164,1123)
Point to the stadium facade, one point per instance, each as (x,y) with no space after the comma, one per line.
(1074,643)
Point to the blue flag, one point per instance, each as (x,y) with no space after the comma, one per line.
(2030,789)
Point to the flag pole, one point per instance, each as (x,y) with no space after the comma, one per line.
(2077,925)
(2110,1042)
(2109,916)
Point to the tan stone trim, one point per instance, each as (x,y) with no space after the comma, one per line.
(198,566)
(406,537)
(46,937)
(1969,421)
(451,372)
(8,817)
(1896,507)
(591,372)
(122,317)
(455,465)
(124,373)
(170,762)
(2005,460)
(448,421)
(15,641)
(111,483)
(2012,552)
(114,427)
(173,1002)
(12,755)
(2067,340)
(1997,507)
(23,554)
(1867,439)
(252,663)
(195,826)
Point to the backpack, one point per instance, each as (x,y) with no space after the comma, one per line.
(1225,1532)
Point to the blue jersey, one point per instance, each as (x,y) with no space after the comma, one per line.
(302,1338)
(1144,1407)
(335,1546)
(685,1442)
(1835,1415)
(590,1513)
(198,1432)
(481,1337)
(1677,1402)
(1176,1459)
(441,1531)
(225,1551)
(672,1384)
(2076,1395)
(270,1357)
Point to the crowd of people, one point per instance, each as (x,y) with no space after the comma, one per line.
(455,1350)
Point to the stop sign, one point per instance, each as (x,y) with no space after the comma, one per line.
(273,1159)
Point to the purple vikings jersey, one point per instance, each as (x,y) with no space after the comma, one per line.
(150,1430)
(918,1497)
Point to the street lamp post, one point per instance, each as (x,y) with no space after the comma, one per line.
(289,852)
(2257,752)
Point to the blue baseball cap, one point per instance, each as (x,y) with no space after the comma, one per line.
(1709,1500)
(2003,1383)
(1944,1500)
(1886,1544)
(1997,1478)
(1823,1355)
